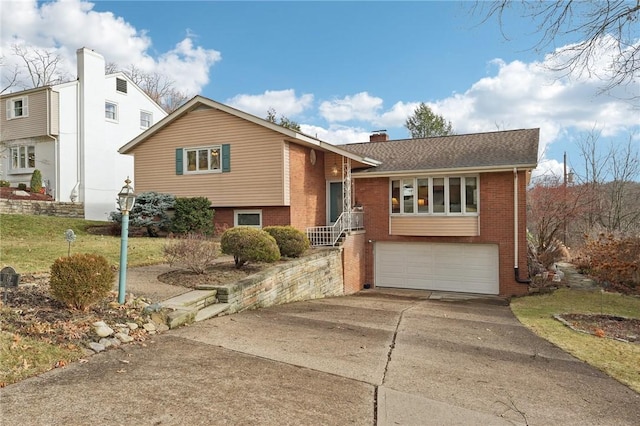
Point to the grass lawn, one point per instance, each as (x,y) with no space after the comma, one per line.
(618,359)
(32,243)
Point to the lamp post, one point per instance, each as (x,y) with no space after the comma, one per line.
(126,200)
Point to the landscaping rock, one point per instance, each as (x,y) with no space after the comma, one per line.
(96,347)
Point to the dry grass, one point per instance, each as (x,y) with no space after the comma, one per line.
(618,359)
(32,243)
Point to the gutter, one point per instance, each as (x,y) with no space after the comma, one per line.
(515,228)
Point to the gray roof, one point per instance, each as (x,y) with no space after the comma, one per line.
(504,149)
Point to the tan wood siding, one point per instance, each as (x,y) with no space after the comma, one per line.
(54,112)
(256,177)
(443,226)
(35,124)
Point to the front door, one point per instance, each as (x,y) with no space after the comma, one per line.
(335,201)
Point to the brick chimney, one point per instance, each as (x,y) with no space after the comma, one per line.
(379,136)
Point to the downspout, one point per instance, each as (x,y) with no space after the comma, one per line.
(56,167)
(515,228)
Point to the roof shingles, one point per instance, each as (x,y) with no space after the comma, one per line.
(480,150)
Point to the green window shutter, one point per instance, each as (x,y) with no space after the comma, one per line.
(179,165)
(226,158)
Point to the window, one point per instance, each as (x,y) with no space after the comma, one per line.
(121,85)
(111,111)
(205,159)
(146,119)
(23,158)
(251,218)
(17,107)
(454,195)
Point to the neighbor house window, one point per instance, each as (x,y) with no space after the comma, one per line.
(455,195)
(251,218)
(23,158)
(17,107)
(146,119)
(111,111)
(202,160)
(121,85)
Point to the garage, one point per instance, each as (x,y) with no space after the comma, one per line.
(467,268)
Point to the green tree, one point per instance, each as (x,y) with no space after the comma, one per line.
(425,123)
(284,121)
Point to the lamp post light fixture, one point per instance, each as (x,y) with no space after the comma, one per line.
(126,200)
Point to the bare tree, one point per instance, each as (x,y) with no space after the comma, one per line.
(10,75)
(42,66)
(157,86)
(591,25)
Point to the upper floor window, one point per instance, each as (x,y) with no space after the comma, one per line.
(205,159)
(23,157)
(146,119)
(450,195)
(111,111)
(121,85)
(17,107)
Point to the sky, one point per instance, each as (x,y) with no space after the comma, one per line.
(343,69)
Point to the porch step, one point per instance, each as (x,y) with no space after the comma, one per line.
(193,306)
(211,311)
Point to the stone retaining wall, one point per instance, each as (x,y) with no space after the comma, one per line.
(311,277)
(46,208)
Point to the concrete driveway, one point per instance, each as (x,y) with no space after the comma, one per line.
(379,357)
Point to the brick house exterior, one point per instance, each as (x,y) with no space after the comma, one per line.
(444,213)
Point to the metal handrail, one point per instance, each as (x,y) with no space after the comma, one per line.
(329,235)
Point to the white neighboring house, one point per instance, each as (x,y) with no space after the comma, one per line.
(71,132)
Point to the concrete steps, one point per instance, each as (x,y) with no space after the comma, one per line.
(193,306)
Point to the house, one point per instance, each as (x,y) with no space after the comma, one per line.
(71,132)
(444,213)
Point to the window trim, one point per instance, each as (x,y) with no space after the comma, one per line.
(150,119)
(26,169)
(116,112)
(241,212)
(11,111)
(446,196)
(185,160)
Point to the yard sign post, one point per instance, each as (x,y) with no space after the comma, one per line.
(126,199)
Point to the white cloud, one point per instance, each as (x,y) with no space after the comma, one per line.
(336,134)
(65,26)
(285,102)
(360,106)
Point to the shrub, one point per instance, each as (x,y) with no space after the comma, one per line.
(81,280)
(612,260)
(249,244)
(22,186)
(5,183)
(36,181)
(291,242)
(150,211)
(194,252)
(193,215)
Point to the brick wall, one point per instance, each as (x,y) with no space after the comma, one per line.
(46,208)
(496,224)
(308,188)
(353,261)
(271,216)
(311,277)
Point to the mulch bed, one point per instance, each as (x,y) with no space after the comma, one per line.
(614,327)
(9,193)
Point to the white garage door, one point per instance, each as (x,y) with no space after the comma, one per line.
(468,268)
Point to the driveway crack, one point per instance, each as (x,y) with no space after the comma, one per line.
(393,344)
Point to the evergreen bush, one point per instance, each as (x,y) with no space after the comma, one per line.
(36,181)
(150,211)
(193,215)
(291,241)
(81,280)
(249,244)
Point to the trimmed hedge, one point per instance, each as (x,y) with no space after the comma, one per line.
(192,215)
(81,280)
(291,241)
(249,244)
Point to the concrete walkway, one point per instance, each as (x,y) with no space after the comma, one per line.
(375,358)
